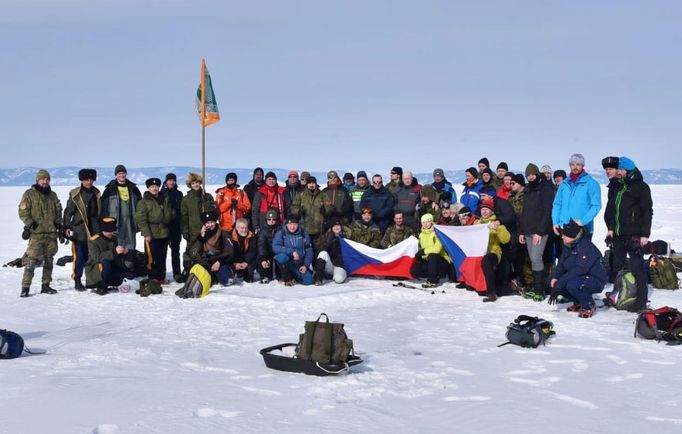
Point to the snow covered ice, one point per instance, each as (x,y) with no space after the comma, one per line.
(125,364)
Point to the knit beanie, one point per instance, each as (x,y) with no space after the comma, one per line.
(231,175)
(42,174)
(473,172)
(271,174)
(532,169)
(485,161)
(427,218)
(577,158)
(502,165)
(561,173)
(545,168)
(120,168)
(171,176)
(398,170)
(519,179)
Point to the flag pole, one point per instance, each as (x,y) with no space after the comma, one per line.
(203,157)
(203,126)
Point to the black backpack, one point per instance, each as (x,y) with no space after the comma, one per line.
(529,331)
(662,324)
(11,345)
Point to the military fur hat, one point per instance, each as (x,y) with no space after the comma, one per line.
(192,177)
(209,216)
(84,174)
(107,224)
(153,181)
(429,191)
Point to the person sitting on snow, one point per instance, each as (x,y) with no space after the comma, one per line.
(212,249)
(293,253)
(579,273)
(432,261)
(105,269)
(329,262)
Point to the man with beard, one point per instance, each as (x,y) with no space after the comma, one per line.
(41,213)
(293,187)
(232,203)
(212,249)
(628,217)
(406,199)
(293,253)
(251,188)
(337,200)
(154,214)
(266,256)
(309,206)
(578,198)
(245,250)
(81,221)
(119,201)
(170,190)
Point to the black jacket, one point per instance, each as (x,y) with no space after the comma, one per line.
(332,245)
(264,242)
(174,199)
(537,207)
(630,210)
(505,213)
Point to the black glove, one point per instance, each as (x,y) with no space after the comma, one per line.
(553,297)
(608,241)
(186,236)
(234,203)
(26,234)
(420,254)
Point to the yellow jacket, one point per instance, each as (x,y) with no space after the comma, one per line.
(429,242)
(497,237)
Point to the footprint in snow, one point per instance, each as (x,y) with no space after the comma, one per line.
(106,428)
(211,412)
(466,398)
(619,378)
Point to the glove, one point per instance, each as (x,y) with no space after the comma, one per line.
(554,297)
(26,234)
(608,241)
(185,236)
(62,238)
(234,203)
(420,254)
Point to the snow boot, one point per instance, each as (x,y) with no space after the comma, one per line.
(539,282)
(78,285)
(24,293)
(490,299)
(45,289)
(319,271)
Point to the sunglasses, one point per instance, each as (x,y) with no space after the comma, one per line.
(293,176)
(271,220)
(377,182)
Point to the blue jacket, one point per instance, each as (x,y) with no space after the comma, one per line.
(582,260)
(287,242)
(471,196)
(445,185)
(381,202)
(580,200)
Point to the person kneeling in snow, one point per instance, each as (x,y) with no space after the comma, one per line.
(293,253)
(579,273)
(329,262)
(105,265)
(499,235)
(432,261)
(212,249)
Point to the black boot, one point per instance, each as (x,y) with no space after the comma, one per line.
(45,289)
(78,285)
(319,271)
(539,282)
(24,292)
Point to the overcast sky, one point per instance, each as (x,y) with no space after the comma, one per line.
(341,84)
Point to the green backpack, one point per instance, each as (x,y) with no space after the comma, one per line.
(624,291)
(662,273)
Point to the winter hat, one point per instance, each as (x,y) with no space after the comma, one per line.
(361,174)
(532,169)
(488,189)
(256,170)
(625,163)
(271,174)
(84,174)
(335,221)
(312,180)
(509,174)
(398,170)
(367,210)
(292,173)
(559,172)
(347,176)
(485,161)
(42,174)
(611,162)
(192,177)
(488,171)
(429,191)
(545,168)
(488,204)
(332,174)
(571,229)
(171,176)
(427,218)
(577,158)
(305,175)
(465,210)
(231,175)
(209,216)
(292,218)
(120,168)
(473,172)
(107,224)
(153,181)
(271,214)
(438,172)
(502,165)
(519,179)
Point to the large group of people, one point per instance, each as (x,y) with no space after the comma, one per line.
(541,224)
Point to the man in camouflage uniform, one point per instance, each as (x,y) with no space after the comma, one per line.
(105,267)
(81,220)
(41,212)
(398,232)
(153,215)
(310,206)
(365,231)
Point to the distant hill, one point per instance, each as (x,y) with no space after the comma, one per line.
(216,176)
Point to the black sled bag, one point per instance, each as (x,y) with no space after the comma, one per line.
(11,345)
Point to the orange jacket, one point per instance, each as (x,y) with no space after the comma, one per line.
(223,200)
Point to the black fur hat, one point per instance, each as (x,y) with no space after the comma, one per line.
(84,174)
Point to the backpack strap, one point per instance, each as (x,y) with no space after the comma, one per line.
(312,335)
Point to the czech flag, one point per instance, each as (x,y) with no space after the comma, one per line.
(395,261)
(466,245)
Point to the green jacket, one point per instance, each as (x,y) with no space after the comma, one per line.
(153,214)
(82,212)
(394,235)
(41,211)
(191,207)
(497,237)
(367,234)
(100,248)
(310,206)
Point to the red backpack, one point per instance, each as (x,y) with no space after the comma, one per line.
(662,324)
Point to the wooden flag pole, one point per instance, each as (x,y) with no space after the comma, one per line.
(203,158)
(203,128)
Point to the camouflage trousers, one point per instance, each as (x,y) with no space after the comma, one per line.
(41,249)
